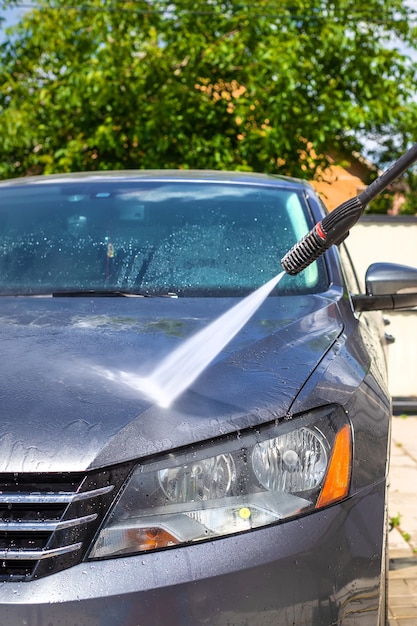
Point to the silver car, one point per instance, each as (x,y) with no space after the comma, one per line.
(171,455)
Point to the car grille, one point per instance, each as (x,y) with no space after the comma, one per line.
(47,521)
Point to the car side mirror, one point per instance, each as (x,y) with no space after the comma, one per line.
(389,286)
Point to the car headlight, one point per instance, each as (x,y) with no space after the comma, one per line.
(235,484)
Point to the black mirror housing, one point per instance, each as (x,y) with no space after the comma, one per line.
(389,286)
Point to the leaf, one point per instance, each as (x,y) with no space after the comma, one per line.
(238,85)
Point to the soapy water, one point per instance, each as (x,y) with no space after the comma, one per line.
(180,368)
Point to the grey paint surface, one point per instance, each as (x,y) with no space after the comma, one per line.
(57,355)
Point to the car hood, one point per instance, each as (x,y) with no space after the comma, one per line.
(64,401)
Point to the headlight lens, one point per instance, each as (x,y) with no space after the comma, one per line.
(207,479)
(293,462)
(235,484)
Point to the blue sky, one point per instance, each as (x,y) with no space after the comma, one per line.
(11,15)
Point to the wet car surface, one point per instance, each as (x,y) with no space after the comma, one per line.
(255,495)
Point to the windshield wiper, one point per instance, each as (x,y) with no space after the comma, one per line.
(97,293)
(89,293)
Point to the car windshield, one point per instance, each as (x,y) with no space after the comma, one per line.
(181,238)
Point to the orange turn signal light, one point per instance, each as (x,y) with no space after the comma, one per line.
(151,538)
(336,484)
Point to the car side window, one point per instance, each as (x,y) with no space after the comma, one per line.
(351,278)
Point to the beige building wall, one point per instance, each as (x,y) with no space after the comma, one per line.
(392,239)
(337,185)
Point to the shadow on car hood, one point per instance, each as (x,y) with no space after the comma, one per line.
(63,406)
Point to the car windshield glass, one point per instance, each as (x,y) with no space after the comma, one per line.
(150,237)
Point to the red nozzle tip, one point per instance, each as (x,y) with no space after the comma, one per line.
(320,232)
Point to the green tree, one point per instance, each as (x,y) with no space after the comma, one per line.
(268,85)
(391,146)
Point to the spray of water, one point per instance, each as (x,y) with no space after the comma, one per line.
(180,368)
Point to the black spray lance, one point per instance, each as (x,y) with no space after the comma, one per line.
(334,228)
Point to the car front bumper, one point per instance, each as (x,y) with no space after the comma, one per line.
(321,569)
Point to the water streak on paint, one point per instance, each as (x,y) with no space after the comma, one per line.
(182,366)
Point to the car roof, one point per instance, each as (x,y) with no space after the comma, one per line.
(172,175)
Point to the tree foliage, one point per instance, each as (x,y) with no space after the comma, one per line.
(267,85)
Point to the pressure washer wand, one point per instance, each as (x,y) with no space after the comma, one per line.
(334,228)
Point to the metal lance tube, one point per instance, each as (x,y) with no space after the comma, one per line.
(334,228)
